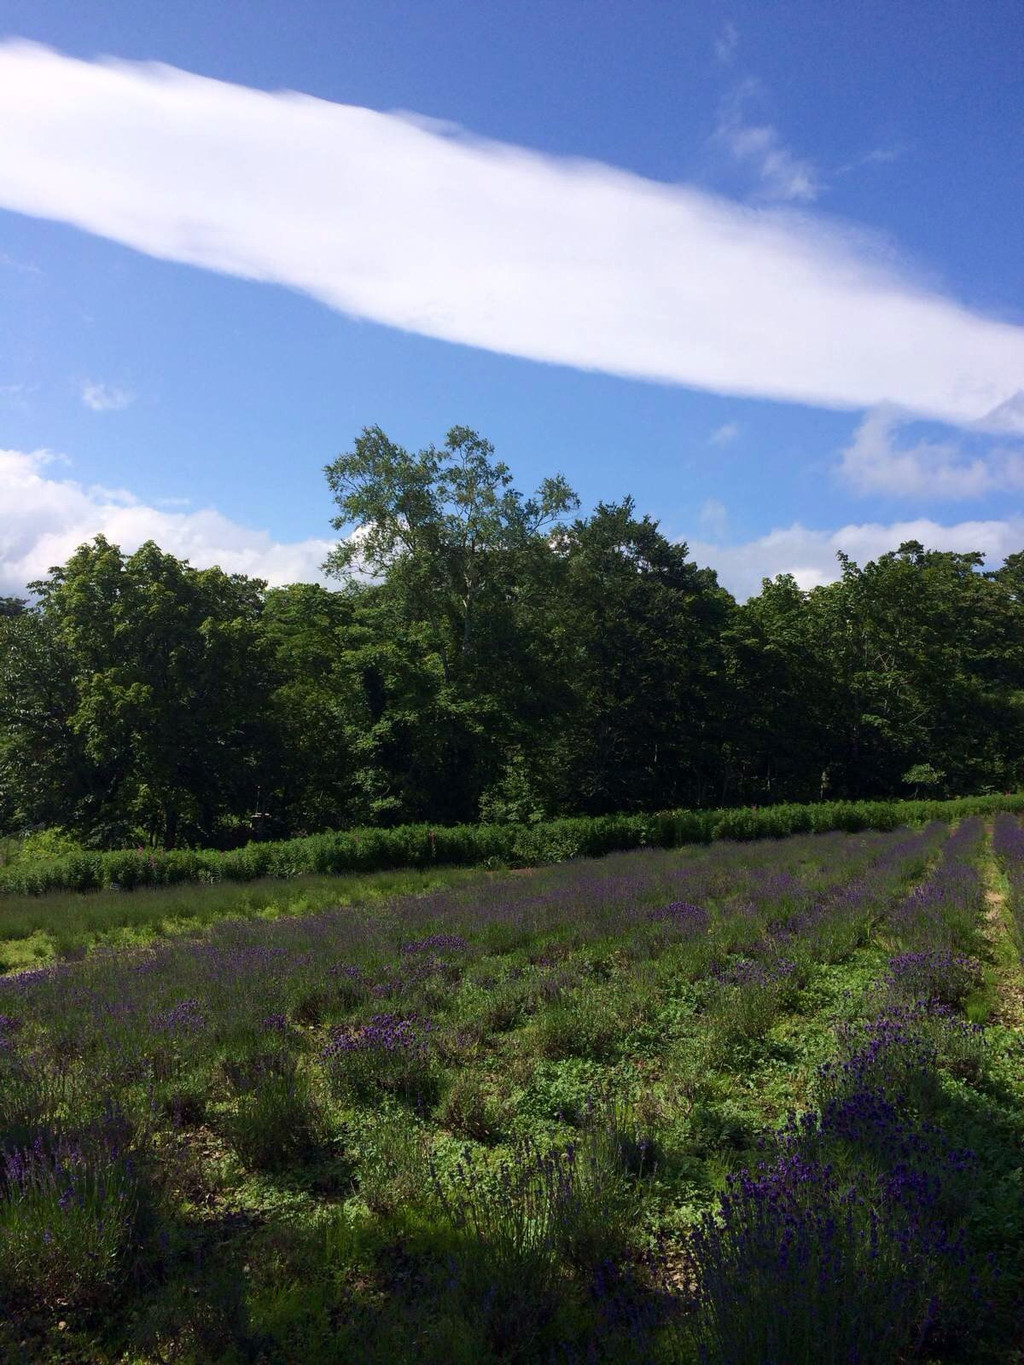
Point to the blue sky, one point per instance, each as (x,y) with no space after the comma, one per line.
(757,265)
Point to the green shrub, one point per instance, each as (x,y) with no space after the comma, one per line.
(420,846)
(583,1023)
(532,1209)
(469,1110)
(276,1118)
(390,1162)
(43,845)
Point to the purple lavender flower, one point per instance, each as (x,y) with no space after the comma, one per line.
(437,943)
(389,1053)
(934,976)
(686,918)
(801,1263)
(184,1017)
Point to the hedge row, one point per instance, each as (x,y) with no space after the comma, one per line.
(410,846)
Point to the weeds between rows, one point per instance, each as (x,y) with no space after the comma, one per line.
(734,1106)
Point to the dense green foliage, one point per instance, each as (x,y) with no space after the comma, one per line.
(491,657)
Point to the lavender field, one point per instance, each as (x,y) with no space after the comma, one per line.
(746,1104)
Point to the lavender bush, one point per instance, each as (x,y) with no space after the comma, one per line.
(532,1210)
(935,976)
(801,1264)
(276,1118)
(389,1054)
(1008,846)
(66,1224)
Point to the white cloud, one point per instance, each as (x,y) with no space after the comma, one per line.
(810,555)
(933,470)
(1008,416)
(15,396)
(44,519)
(881,156)
(780,174)
(724,435)
(726,43)
(104,397)
(489,245)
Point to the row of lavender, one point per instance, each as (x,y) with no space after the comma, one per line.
(852,1241)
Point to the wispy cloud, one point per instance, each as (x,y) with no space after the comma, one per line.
(877,156)
(488,245)
(14,397)
(104,397)
(23,267)
(43,519)
(724,435)
(877,461)
(780,175)
(726,44)
(714,518)
(810,555)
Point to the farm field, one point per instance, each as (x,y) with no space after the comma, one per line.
(743,1103)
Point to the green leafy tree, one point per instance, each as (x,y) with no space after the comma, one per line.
(780,696)
(915,641)
(45,774)
(156,721)
(445,528)
(923,775)
(639,634)
(331,671)
(458,561)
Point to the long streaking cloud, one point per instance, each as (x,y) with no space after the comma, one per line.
(410,223)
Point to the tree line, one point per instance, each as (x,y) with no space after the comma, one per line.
(488,655)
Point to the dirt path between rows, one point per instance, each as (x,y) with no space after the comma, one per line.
(1010,1009)
(995,900)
